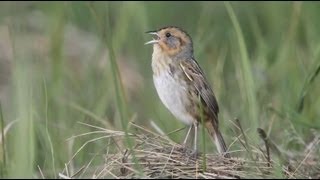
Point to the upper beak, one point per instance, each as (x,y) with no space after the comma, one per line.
(153,41)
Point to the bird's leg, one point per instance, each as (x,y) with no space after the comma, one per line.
(195,137)
(188,133)
(194,153)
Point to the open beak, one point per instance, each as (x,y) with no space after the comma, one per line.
(153,41)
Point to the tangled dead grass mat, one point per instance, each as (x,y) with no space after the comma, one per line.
(156,156)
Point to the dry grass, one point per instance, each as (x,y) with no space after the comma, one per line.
(160,157)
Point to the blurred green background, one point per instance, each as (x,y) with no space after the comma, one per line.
(62,63)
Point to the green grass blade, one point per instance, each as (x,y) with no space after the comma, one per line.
(3,143)
(119,89)
(47,130)
(246,70)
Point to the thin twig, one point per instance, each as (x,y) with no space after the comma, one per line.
(304,159)
(64,176)
(263,136)
(41,172)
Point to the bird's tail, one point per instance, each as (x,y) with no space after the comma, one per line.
(217,139)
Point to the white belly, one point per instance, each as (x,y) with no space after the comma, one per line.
(173,96)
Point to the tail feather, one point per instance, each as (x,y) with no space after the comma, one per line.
(217,139)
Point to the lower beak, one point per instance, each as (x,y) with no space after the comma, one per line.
(153,41)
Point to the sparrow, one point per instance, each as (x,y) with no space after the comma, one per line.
(182,85)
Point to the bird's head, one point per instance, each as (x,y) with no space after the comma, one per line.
(172,40)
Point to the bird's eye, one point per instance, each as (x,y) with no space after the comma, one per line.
(168,34)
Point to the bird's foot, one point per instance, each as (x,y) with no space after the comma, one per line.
(195,154)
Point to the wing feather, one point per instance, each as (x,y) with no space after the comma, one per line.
(197,78)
